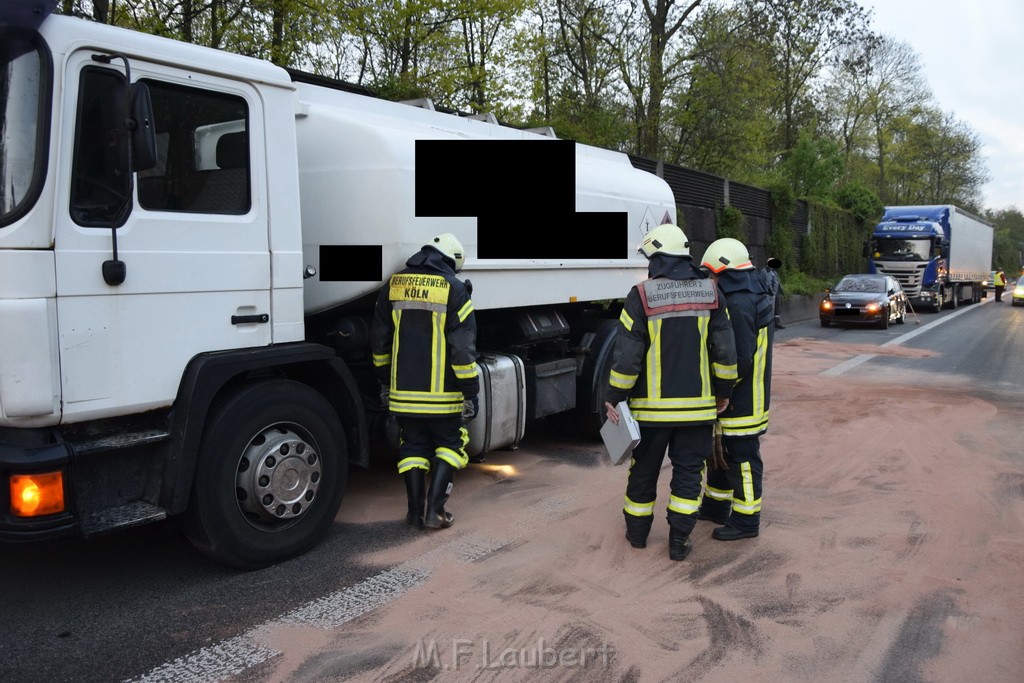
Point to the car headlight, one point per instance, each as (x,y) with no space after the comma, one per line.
(826,305)
(1019,289)
(873,308)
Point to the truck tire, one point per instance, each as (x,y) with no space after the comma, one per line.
(954,299)
(938,302)
(270,476)
(592,385)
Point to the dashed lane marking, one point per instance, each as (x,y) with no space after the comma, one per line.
(864,358)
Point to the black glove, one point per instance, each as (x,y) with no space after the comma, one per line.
(470,407)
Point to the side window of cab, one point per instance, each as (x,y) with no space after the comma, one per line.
(202,152)
(202,145)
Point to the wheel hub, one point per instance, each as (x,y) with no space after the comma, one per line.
(278,475)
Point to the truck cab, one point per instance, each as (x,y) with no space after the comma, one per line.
(191,243)
(939,254)
(913,250)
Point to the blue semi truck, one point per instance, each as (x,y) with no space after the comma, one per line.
(940,254)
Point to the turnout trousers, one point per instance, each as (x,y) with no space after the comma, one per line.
(687,447)
(735,494)
(424,438)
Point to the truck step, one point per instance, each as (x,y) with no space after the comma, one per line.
(111,442)
(121,517)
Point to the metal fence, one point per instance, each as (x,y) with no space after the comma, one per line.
(700,195)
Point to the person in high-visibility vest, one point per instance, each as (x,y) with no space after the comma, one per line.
(424,348)
(732,497)
(675,360)
(1000,283)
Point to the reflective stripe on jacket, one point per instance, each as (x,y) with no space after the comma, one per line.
(674,353)
(424,336)
(749,301)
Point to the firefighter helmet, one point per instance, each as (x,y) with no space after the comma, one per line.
(726,254)
(449,246)
(667,239)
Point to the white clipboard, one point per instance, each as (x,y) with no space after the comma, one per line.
(620,439)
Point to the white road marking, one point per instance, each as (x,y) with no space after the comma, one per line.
(233,656)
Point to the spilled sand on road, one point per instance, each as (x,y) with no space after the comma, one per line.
(891,549)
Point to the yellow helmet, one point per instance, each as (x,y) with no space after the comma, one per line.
(450,246)
(668,239)
(726,254)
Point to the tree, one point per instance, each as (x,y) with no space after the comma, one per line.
(485,27)
(574,73)
(721,121)
(937,160)
(814,166)
(896,90)
(807,34)
(1008,249)
(651,62)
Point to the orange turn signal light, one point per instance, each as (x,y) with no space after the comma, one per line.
(34,495)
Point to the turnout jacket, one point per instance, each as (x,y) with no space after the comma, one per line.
(674,353)
(424,338)
(749,300)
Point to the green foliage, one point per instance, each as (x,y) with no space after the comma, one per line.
(731,222)
(834,245)
(781,241)
(814,166)
(1008,250)
(799,283)
(860,200)
(720,119)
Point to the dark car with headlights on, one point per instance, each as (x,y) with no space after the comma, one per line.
(865,300)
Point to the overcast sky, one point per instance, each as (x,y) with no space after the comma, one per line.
(972,54)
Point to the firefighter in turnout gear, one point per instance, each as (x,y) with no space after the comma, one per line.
(424,350)
(675,360)
(732,497)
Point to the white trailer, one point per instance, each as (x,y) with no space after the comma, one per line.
(183,319)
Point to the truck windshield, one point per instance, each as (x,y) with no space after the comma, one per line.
(24,76)
(903,250)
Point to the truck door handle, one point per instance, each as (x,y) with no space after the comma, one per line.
(243,319)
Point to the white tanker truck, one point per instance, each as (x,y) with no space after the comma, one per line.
(190,245)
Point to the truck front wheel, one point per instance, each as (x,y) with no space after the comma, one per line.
(270,475)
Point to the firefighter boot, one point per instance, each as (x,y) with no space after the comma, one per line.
(731,533)
(714,511)
(679,545)
(739,526)
(636,531)
(415,490)
(441,480)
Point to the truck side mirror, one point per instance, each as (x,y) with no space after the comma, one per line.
(144,154)
(136,143)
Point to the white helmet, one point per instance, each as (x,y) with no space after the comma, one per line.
(726,254)
(449,245)
(667,239)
